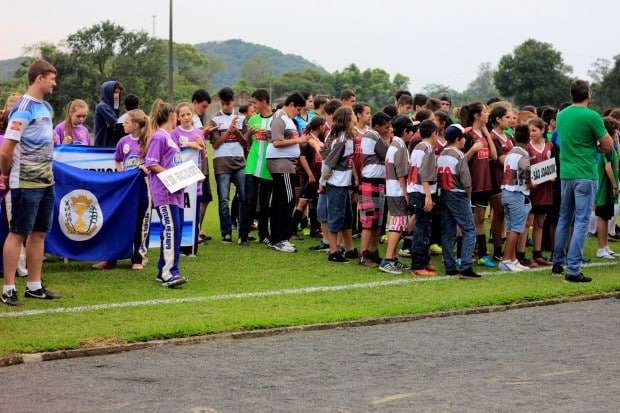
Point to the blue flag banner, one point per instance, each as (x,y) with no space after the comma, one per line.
(94,213)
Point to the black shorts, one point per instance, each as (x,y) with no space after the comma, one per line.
(207,195)
(480,199)
(541,209)
(605,212)
(309,191)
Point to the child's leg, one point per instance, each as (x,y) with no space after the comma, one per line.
(523,236)
(601,233)
(511,245)
(169,252)
(539,223)
(178,235)
(448,234)
(497,225)
(481,239)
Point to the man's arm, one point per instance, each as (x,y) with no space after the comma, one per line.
(605,143)
(6,156)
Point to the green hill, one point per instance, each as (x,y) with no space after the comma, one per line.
(234,53)
(9,66)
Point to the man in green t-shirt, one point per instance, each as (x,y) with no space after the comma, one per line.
(258,181)
(582,133)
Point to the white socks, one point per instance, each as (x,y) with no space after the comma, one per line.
(34,286)
(8,288)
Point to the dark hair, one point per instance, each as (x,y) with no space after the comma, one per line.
(419,100)
(445,98)
(279,106)
(243,109)
(529,108)
(405,100)
(391,111)
(579,90)
(615,114)
(296,99)
(226,95)
(443,117)
(319,101)
(358,108)
(468,113)
(261,94)
(606,112)
(549,114)
(433,104)
(427,128)
(423,115)
(315,124)
(39,68)
(332,106)
(522,134)
(564,106)
(401,124)
(611,124)
(493,100)
(402,93)
(380,119)
(496,114)
(200,96)
(346,95)
(306,95)
(131,102)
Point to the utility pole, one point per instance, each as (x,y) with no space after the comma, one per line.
(170,61)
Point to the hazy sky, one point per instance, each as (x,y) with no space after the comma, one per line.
(429,41)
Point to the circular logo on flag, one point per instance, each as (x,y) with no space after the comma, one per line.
(79,216)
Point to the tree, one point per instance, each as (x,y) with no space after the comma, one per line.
(606,91)
(535,74)
(482,88)
(256,69)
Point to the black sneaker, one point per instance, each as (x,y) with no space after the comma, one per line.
(322,247)
(557,270)
(352,255)
(10,298)
(41,294)
(452,273)
(577,278)
(470,274)
(227,238)
(337,257)
(174,281)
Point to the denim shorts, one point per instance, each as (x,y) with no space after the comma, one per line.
(321,208)
(515,210)
(32,210)
(339,213)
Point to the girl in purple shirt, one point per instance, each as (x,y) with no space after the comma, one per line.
(72,131)
(163,153)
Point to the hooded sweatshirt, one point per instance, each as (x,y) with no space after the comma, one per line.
(106,116)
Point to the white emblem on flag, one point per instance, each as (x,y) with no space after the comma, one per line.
(80,216)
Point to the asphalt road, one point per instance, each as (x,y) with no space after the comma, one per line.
(563,358)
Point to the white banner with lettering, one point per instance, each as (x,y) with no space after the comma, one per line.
(543,171)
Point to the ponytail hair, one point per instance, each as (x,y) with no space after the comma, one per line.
(160,113)
(72,107)
(468,113)
(496,114)
(140,118)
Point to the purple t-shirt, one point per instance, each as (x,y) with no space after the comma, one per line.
(81,136)
(181,137)
(165,152)
(128,152)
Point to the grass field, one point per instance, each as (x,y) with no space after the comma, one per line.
(222,269)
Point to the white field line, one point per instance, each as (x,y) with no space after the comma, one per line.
(259,294)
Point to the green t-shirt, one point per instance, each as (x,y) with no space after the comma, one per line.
(579,129)
(256,164)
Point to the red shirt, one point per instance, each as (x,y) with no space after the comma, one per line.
(502,146)
(543,193)
(479,164)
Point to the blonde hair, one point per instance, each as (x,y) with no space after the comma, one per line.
(73,107)
(4,115)
(160,113)
(139,117)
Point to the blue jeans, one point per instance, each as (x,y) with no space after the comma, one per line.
(456,210)
(223,194)
(576,206)
(420,257)
(33,210)
(339,213)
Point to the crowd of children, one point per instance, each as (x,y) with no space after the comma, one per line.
(419,171)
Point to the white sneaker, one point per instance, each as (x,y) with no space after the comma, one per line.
(290,245)
(517,264)
(610,251)
(404,253)
(509,266)
(283,247)
(604,254)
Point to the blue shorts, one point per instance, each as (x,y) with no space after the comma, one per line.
(32,210)
(516,210)
(321,208)
(339,213)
